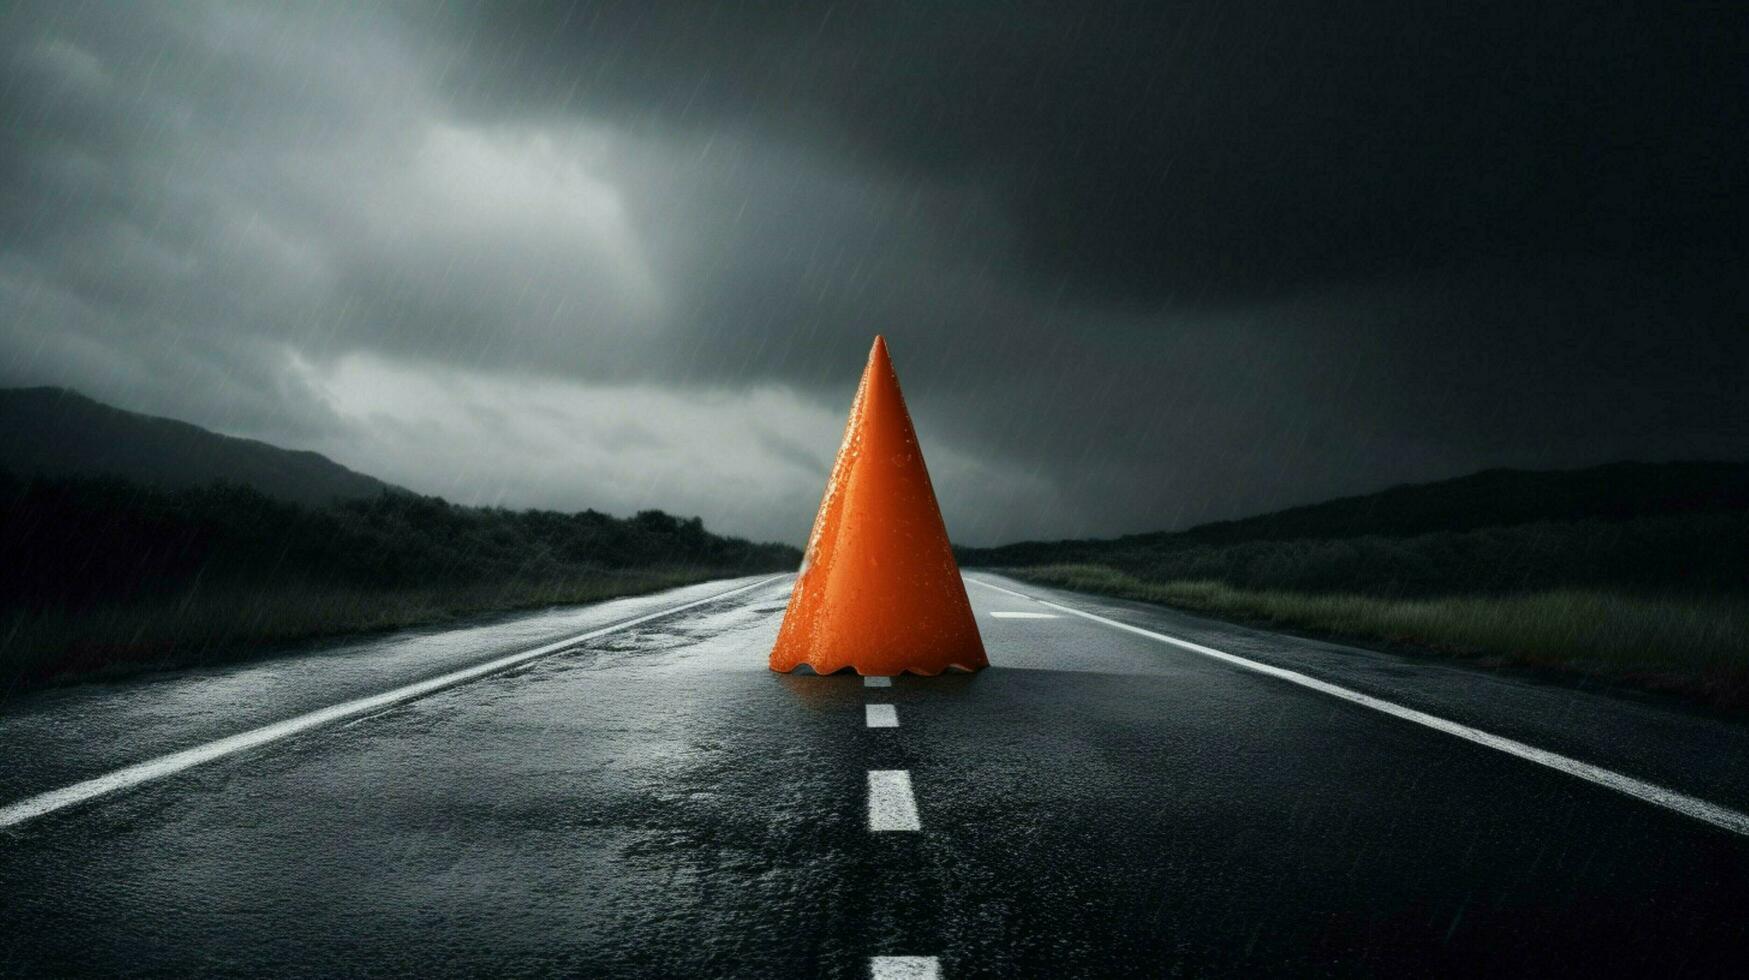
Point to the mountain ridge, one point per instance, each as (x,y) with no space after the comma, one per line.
(1497,497)
(59,432)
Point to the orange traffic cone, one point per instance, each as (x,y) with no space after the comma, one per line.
(879,591)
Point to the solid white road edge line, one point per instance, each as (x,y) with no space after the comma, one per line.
(143,772)
(904,968)
(1690,806)
(1021,615)
(880,715)
(890,803)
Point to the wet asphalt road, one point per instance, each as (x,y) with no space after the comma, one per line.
(656,803)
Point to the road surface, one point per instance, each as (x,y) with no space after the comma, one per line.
(650,800)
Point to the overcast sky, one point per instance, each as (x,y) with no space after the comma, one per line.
(1139,266)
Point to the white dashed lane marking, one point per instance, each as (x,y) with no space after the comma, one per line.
(904,968)
(890,804)
(1005,614)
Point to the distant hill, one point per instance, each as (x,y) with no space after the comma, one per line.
(128,541)
(1650,525)
(56,432)
(1500,497)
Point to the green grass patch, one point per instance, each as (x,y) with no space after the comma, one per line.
(1697,646)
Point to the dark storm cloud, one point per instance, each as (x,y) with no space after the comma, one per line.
(1159,151)
(1141,265)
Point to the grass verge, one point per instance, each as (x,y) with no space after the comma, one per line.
(218,625)
(1697,647)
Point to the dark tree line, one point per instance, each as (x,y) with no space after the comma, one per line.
(80,541)
(1648,527)
(1684,554)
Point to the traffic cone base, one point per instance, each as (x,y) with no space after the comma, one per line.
(879,591)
